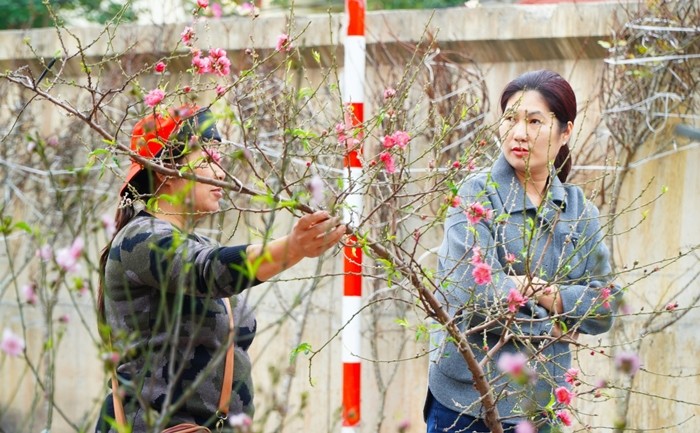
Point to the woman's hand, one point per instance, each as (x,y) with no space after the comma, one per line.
(543,293)
(311,235)
(315,233)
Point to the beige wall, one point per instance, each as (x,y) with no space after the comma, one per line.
(504,40)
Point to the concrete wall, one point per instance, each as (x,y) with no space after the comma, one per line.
(504,41)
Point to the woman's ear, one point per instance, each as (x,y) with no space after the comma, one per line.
(566,133)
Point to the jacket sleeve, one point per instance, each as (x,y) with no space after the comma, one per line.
(461,293)
(157,255)
(590,302)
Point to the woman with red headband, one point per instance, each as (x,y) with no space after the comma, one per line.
(167,293)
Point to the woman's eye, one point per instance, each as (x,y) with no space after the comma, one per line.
(535,121)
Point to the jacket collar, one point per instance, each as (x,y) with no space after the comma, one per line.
(513,195)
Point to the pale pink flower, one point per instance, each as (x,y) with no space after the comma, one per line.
(154,97)
(109,225)
(187,36)
(525,427)
(564,396)
(221,66)
(476,212)
(671,306)
(159,67)
(571,375)
(477,256)
(240,420)
(12,344)
(510,258)
(565,417)
(401,138)
(455,201)
(64,319)
(45,253)
(627,362)
(341,133)
(514,364)
(203,3)
(220,90)
(316,189)
(67,258)
(388,161)
(515,300)
(29,293)
(605,296)
(389,93)
(213,154)
(31,146)
(202,65)
(482,273)
(283,43)
(216,10)
(388,142)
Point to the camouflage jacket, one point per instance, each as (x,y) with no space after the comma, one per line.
(164,294)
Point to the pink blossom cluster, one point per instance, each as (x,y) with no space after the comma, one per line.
(398,139)
(216,62)
(67,258)
(11,344)
(481,271)
(476,212)
(284,44)
(515,300)
(565,417)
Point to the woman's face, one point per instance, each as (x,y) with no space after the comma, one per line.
(531,135)
(195,197)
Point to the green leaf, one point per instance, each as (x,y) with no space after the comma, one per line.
(304,348)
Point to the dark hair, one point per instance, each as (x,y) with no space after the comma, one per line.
(560,98)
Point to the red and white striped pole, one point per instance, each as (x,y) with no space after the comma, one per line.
(354,98)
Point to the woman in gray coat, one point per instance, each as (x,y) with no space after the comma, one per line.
(524,269)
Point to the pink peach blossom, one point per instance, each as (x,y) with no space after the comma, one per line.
(514,364)
(109,225)
(67,258)
(187,36)
(627,362)
(510,258)
(401,138)
(388,161)
(216,10)
(316,189)
(482,273)
(202,65)
(605,296)
(476,212)
(571,375)
(203,3)
(525,427)
(29,293)
(515,300)
(671,306)
(388,142)
(563,395)
(565,417)
(159,67)
(45,253)
(12,344)
(455,201)
(154,97)
(220,90)
(283,43)
(389,93)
